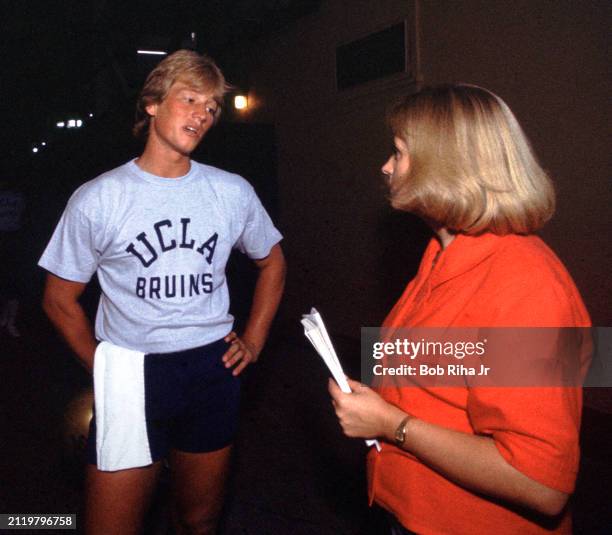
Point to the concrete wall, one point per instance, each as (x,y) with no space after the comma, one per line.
(349,254)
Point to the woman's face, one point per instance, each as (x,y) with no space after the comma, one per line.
(397,166)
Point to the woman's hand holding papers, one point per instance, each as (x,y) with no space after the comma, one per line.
(363,413)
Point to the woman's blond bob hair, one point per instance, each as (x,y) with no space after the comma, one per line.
(196,70)
(472,169)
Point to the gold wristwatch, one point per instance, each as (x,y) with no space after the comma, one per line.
(400,432)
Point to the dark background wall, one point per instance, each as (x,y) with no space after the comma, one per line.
(349,254)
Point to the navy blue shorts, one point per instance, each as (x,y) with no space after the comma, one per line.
(191,402)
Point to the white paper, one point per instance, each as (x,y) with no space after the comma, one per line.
(315,331)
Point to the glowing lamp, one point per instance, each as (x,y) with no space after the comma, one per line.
(241,102)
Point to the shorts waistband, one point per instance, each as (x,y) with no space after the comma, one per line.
(212,346)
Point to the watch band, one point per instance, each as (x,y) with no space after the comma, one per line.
(400,432)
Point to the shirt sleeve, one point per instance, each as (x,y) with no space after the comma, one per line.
(259,234)
(535,428)
(71,253)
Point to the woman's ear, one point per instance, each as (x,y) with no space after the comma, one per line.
(151,109)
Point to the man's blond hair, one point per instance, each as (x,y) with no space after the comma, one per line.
(196,70)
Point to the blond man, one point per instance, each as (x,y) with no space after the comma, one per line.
(158,232)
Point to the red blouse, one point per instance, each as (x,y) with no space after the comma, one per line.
(484,281)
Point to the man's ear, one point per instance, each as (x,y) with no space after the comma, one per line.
(151,109)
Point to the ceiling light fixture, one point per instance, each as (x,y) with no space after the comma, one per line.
(152,52)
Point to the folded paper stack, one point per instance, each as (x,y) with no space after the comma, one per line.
(315,331)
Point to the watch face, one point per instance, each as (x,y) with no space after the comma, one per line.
(400,433)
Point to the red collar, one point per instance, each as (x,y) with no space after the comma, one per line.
(463,254)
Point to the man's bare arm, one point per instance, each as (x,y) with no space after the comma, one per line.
(61,304)
(268,291)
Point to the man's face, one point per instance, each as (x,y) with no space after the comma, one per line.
(179,122)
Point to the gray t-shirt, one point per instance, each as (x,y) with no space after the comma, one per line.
(159,247)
